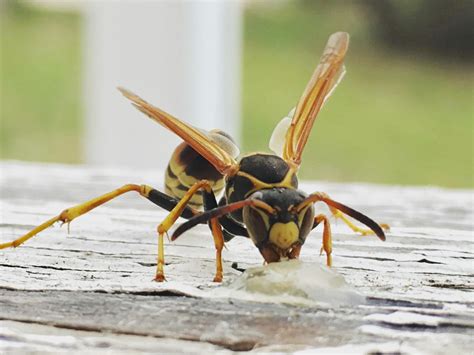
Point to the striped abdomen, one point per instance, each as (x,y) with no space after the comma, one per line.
(187,167)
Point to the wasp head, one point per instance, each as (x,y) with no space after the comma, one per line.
(279,231)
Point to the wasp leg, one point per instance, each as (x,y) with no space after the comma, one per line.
(173,216)
(69,214)
(30,234)
(223,230)
(327,237)
(168,203)
(231,228)
(363,231)
(219,243)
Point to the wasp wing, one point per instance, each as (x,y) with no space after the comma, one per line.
(278,138)
(208,144)
(291,134)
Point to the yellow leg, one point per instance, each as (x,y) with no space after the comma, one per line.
(327,238)
(171,219)
(160,274)
(363,231)
(219,243)
(68,215)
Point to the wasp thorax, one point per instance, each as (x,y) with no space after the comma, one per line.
(280,231)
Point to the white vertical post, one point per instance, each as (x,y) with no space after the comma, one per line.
(182,56)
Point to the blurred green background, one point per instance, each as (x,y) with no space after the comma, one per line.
(402,115)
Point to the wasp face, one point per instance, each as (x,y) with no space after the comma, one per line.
(279,233)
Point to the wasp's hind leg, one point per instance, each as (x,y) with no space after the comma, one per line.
(209,202)
(363,231)
(337,209)
(69,214)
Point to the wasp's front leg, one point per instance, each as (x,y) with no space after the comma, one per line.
(327,237)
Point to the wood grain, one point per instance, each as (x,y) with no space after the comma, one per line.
(92,290)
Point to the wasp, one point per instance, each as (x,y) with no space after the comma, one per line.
(261,199)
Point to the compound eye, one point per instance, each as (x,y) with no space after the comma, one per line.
(257,222)
(306,220)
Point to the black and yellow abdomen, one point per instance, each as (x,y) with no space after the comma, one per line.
(186,167)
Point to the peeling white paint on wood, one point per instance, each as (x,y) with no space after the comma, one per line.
(418,283)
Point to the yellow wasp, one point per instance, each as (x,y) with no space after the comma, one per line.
(261,200)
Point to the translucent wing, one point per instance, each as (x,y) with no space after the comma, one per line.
(291,134)
(278,138)
(215,146)
(224,141)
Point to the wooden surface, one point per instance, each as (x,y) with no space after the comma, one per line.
(91,290)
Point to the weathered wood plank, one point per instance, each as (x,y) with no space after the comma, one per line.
(98,278)
(27,338)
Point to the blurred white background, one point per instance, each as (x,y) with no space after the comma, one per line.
(182,56)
